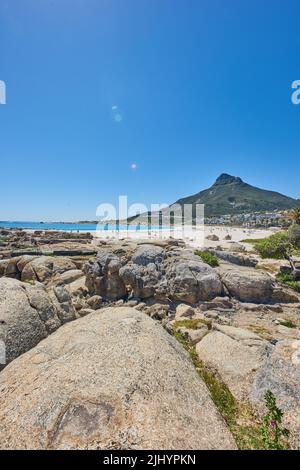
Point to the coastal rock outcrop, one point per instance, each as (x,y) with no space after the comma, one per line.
(112,380)
(153,272)
(250,285)
(67,277)
(29,268)
(103,278)
(190,280)
(148,254)
(246,284)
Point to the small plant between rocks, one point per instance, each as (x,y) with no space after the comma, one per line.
(261,331)
(239,417)
(207,258)
(288,324)
(287,279)
(252,241)
(192,324)
(274,435)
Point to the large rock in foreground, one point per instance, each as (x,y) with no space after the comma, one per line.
(112,380)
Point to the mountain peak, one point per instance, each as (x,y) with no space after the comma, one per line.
(230,195)
(224,178)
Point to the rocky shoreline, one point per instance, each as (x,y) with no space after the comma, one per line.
(92,334)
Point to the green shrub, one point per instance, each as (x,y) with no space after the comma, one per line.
(252,241)
(295,285)
(273,434)
(208,258)
(288,324)
(287,279)
(284,277)
(277,246)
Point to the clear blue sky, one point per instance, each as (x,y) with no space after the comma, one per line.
(185,89)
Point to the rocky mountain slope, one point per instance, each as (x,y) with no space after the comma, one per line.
(231,195)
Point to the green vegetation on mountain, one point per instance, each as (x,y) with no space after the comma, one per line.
(231,195)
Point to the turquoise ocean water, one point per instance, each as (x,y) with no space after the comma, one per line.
(70,226)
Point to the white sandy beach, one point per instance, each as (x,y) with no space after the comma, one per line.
(193,237)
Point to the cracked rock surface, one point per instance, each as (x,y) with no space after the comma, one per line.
(111,380)
(28,313)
